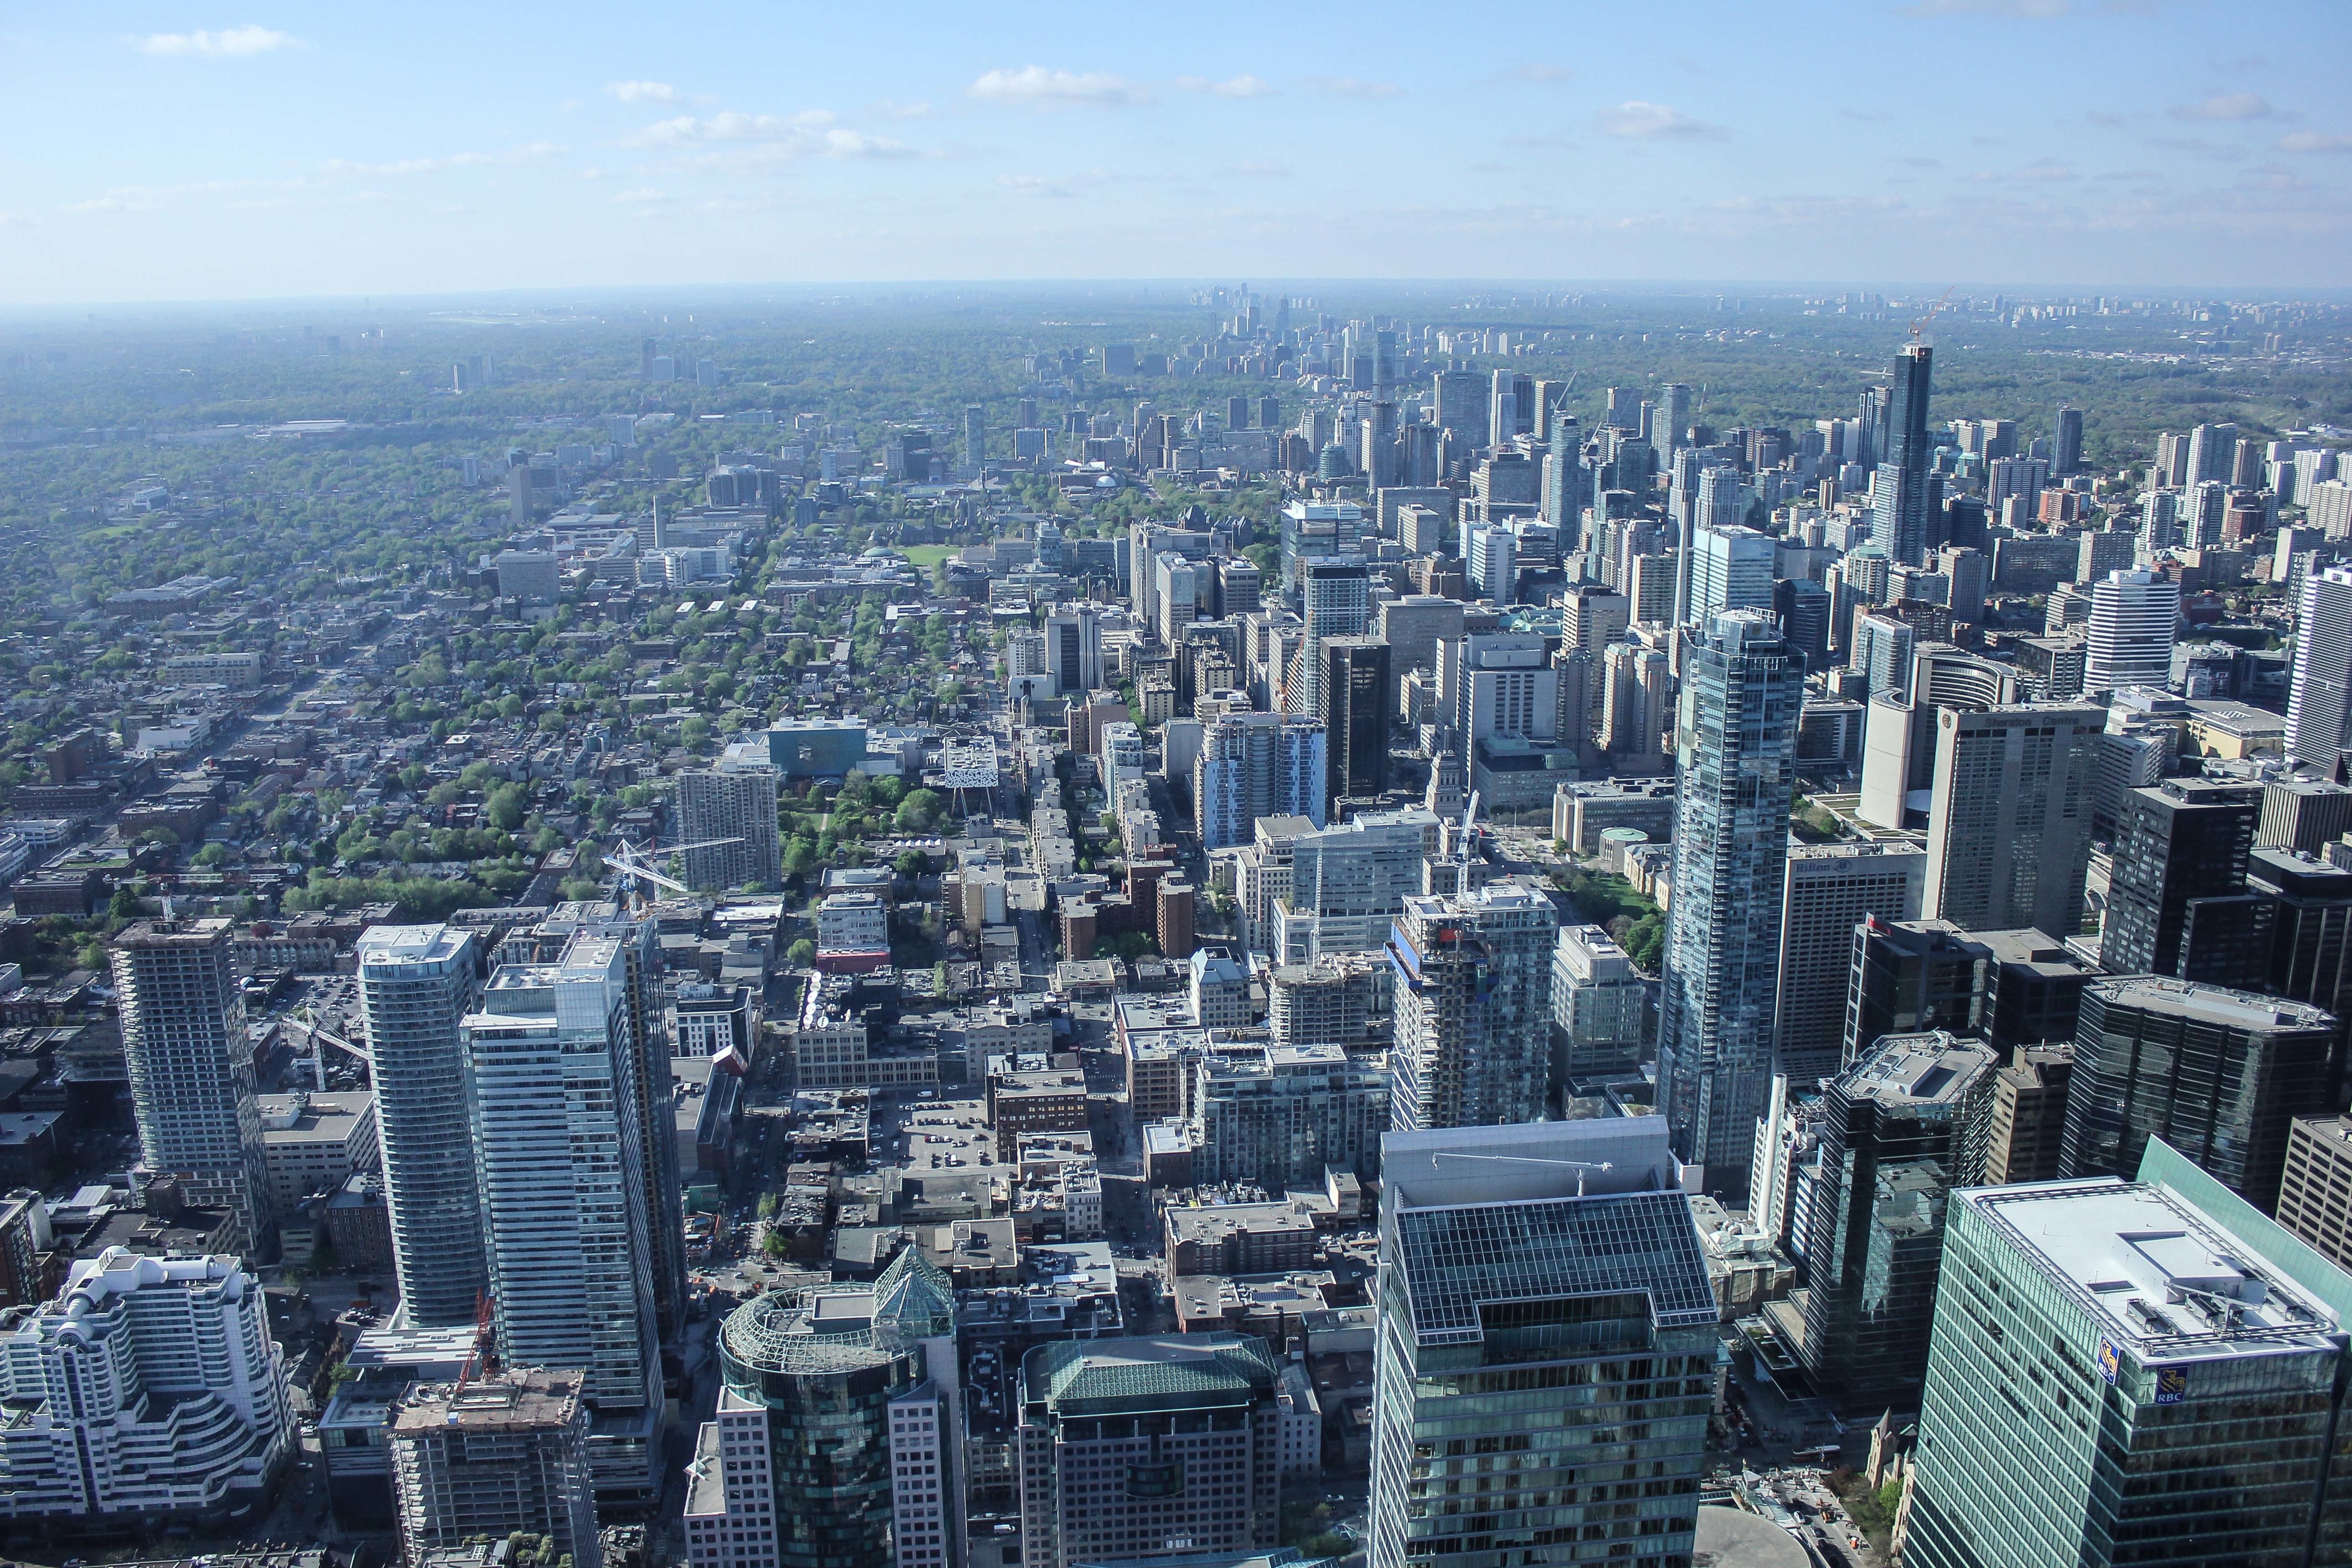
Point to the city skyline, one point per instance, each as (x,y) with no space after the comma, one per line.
(301,151)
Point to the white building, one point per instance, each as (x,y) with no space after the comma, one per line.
(853,929)
(2135,616)
(148,1390)
(1253,765)
(1600,1004)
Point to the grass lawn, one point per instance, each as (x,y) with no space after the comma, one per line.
(923,557)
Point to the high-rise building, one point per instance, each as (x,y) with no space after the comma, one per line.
(2135,619)
(1345,884)
(2314,1201)
(1736,745)
(1911,977)
(1340,999)
(1900,1129)
(1600,1004)
(1335,601)
(2067,442)
(1257,764)
(191,1065)
(1282,1117)
(1459,399)
(1832,888)
(1074,652)
(1546,1327)
(416,985)
(2319,694)
(2303,816)
(2219,1075)
(2025,1127)
(486,1459)
(149,1394)
(1670,427)
(2128,1372)
(975,436)
(732,803)
(2009,820)
(1356,709)
(1145,1448)
(1899,491)
(1732,569)
(1804,606)
(2181,841)
(559,1165)
(1473,994)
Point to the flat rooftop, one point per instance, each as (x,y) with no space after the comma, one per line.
(530,1399)
(1922,1069)
(2215,1004)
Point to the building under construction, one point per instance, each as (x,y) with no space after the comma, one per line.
(503,1453)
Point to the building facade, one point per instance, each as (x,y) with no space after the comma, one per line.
(503,1453)
(1473,977)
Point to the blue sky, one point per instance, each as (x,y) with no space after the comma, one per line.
(207,149)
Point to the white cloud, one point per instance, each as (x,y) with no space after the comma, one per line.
(890,108)
(2314,142)
(2224,106)
(644,92)
(1353,86)
(731,125)
(409,165)
(228,41)
(1231,86)
(1636,121)
(1034,87)
(857,144)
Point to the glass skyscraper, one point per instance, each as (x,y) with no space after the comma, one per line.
(1546,1349)
(1742,689)
(1899,493)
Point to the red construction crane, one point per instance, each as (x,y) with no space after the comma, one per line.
(1920,325)
(483,1356)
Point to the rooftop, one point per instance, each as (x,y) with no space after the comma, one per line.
(1912,1071)
(2212,1003)
(524,1400)
(1159,1373)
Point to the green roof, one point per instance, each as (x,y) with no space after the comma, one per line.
(1168,1372)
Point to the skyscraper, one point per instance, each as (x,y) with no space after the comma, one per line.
(1354,691)
(2128,1372)
(1832,888)
(416,985)
(2135,619)
(1473,994)
(191,1065)
(2067,442)
(2009,820)
(975,436)
(737,802)
(1257,764)
(1335,601)
(1546,1329)
(1899,491)
(559,1171)
(1736,745)
(1901,1128)
(1074,655)
(1669,429)
(2220,1075)
(2319,699)
(2179,841)
(1460,400)
(1732,569)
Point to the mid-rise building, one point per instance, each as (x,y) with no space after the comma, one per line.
(2009,819)
(2128,1372)
(722,805)
(1340,999)
(1474,992)
(148,1394)
(1743,690)
(852,932)
(491,1457)
(1277,1116)
(1546,1328)
(190,1059)
(1149,1448)
(1900,1129)
(2026,1126)
(1257,764)
(1600,1004)
(1832,888)
(416,985)
(2219,1075)
(2314,1201)
(1356,707)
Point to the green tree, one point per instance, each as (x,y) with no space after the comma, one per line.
(801,955)
(507,807)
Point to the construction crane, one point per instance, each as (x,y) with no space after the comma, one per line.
(632,862)
(320,1037)
(1920,325)
(481,1355)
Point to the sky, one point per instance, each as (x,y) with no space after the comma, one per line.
(257,148)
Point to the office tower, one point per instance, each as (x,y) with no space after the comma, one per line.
(559,1164)
(1356,712)
(1579,681)
(1460,400)
(1490,559)
(2008,821)
(1118,1441)
(1967,570)
(1735,745)
(2015,479)
(2305,908)
(2067,442)
(1074,654)
(1335,601)
(486,1459)
(2220,1075)
(1257,764)
(2025,1126)
(1413,627)
(191,1066)
(1910,977)
(416,985)
(1474,991)
(1899,491)
(2303,815)
(2135,617)
(1546,1327)
(2126,1371)
(1511,405)
(2032,989)
(2314,1203)
(835,1442)
(735,803)
(1498,684)
(1600,1004)
(1900,1129)
(2319,698)
(1803,607)
(1832,888)
(1732,571)
(1670,428)
(148,1395)
(2181,841)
